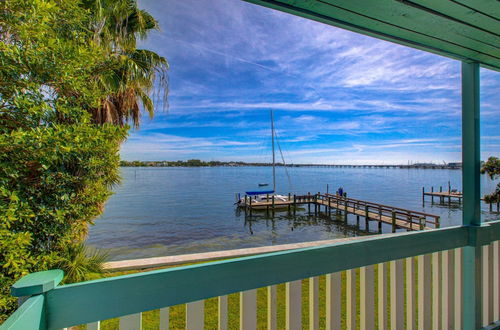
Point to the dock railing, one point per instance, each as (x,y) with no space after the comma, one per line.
(415,219)
(427,286)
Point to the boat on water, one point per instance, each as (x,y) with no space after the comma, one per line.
(260,199)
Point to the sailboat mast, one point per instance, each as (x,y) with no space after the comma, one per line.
(274,157)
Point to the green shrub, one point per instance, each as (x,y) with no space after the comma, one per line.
(56,167)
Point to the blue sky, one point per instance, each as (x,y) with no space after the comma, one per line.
(337,96)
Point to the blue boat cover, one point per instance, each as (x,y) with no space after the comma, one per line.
(253,193)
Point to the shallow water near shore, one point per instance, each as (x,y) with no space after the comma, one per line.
(169,211)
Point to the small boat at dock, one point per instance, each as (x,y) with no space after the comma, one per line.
(262,199)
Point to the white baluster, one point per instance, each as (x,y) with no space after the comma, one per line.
(448,285)
(294,305)
(164,318)
(333,301)
(496,280)
(131,322)
(351,299)
(367,298)
(436,290)
(410,294)
(397,294)
(458,288)
(222,312)
(382,296)
(271,308)
(487,279)
(248,310)
(195,315)
(424,292)
(94,326)
(314,303)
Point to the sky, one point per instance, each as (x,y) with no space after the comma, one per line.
(337,96)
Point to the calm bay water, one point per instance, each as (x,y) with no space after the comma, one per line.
(167,211)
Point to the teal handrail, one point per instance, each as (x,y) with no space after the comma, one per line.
(86,302)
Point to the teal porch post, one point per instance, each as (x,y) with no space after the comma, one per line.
(471,265)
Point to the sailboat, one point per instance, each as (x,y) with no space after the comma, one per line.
(262,196)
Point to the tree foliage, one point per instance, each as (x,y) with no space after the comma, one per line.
(116,26)
(492,168)
(60,60)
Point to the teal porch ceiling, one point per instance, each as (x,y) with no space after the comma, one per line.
(466,30)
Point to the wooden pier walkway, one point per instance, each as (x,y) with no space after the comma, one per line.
(393,216)
(450,195)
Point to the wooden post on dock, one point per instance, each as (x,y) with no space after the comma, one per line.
(421,222)
(294,205)
(329,206)
(366,211)
(367,224)
(380,219)
(423,194)
(267,204)
(432,196)
(336,204)
(437,222)
(393,221)
(273,205)
(408,218)
(441,198)
(289,200)
(250,205)
(309,203)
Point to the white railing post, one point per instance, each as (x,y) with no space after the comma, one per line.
(222,313)
(271,308)
(293,305)
(195,315)
(410,294)
(496,280)
(437,292)
(367,298)
(164,318)
(448,287)
(248,310)
(351,309)
(397,294)
(314,303)
(382,296)
(424,292)
(131,322)
(333,301)
(94,326)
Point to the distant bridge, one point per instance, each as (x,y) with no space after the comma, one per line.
(417,166)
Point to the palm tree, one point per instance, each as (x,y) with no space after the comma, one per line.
(80,263)
(136,76)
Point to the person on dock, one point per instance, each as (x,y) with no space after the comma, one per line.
(340,191)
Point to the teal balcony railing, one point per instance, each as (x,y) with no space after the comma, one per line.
(426,286)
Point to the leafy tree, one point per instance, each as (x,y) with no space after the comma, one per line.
(492,168)
(56,166)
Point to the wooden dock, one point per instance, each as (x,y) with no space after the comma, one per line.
(393,216)
(449,196)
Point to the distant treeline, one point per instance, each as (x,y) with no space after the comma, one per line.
(200,163)
(188,163)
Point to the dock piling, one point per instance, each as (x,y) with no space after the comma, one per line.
(393,221)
